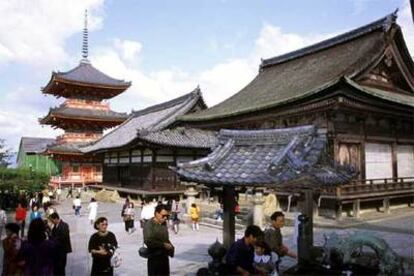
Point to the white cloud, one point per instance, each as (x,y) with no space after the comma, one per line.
(405,19)
(35,32)
(129,49)
(15,124)
(273,41)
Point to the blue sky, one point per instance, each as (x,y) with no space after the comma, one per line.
(166,48)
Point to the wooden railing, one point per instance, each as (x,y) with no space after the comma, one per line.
(76,178)
(373,187)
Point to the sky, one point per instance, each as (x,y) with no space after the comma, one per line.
(165,48)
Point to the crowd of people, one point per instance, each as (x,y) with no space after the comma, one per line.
(44,250)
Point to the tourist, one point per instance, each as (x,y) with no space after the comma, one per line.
(147,212)
(60,234)
(20,217)
(58,194)
(39,199)
(11,247)
(263,262)
(195,216)
(240,256)
(102,245)
(77,205)
(38,253)
(33,201)
(175,212)
(70,193)
(273,236)
(93,210)
(45,202)
(129,217)
(158,243)
(3,220)
(219,213)
(35,214)
(126,203)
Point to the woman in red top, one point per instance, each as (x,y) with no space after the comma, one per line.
(20,217)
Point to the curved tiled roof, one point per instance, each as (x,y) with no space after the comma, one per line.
(150,119)
(82,113)
(86,73)
(265,157)
(308,71)
(66,148)
(35,144)
(182,137)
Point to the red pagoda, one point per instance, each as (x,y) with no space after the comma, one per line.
(83,116)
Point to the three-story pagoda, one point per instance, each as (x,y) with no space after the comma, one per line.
(83,116)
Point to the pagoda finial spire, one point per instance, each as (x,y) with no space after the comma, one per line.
(85,39)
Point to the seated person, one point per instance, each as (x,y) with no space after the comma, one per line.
(240,256)
(263,262)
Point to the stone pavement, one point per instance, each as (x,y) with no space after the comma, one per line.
(191,247)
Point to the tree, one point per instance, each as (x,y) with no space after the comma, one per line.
(5,154)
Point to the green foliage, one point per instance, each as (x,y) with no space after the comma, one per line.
(5,154)
(22,179)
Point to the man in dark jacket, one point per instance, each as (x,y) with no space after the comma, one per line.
(157,240)
(60,234)
(240,256)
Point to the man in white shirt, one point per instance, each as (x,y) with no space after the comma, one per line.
(77,205)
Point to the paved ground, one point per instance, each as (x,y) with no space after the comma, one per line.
(191,247)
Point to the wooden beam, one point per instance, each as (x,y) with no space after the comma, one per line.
(228,216)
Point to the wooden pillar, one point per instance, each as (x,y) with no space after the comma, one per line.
(338,210)
(228,216)
(154,156)
(394,160)
(309,213)
(386,205)
(356,207)
(175,164)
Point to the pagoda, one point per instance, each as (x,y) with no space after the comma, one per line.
(83,116)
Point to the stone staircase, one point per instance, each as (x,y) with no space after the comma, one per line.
(242,218)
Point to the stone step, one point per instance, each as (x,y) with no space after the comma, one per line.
(213,223)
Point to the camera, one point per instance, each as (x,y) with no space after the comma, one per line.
(110,248)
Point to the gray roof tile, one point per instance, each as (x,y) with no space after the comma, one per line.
(35,144)
(144,123)
(86,73)
(70,112)
(248,158)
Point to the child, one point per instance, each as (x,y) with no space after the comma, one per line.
(195,216)
(263,259)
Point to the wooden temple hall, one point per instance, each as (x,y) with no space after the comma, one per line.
(137,154)
(359,87)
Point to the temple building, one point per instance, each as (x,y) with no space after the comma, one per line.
(137,154)
(359,86)
(83,116)
(30,156)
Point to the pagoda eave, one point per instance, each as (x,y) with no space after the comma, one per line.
(65,88)
(55,120)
